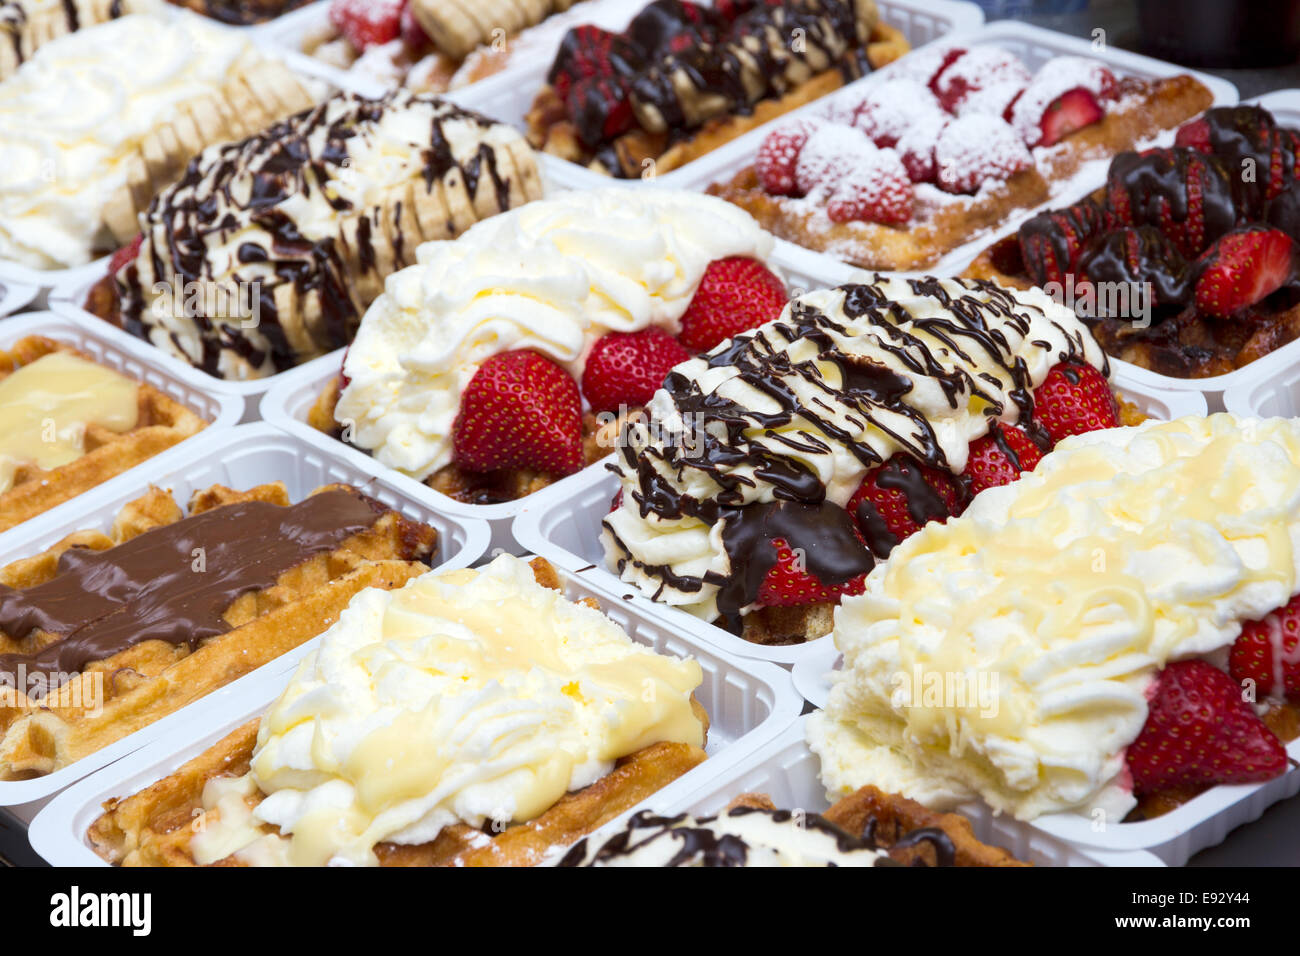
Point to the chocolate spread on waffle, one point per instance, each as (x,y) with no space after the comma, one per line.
(709,842)
(721,440)
(254,186)
(173,583)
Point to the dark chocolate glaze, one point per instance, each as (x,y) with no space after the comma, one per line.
(1137,255)
(173,583)
(1244,137)
(1155,182)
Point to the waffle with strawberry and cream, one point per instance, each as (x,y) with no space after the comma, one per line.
(943,145)
(769,475)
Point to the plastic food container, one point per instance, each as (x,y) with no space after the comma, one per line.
(239,458)
(749,705)
(1174,837)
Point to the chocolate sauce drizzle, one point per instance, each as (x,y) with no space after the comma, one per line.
(983,319)
(246,185)
(699,844)
(173,583)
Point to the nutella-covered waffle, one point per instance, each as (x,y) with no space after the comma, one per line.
(104,633)
(768,476)
(268,250)
(135,98)
(682,79)
(468,718)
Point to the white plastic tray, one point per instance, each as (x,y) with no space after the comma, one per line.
(239,458)
(509,96)
(135,362)
(787,771)
(562,523)
(749,704)
(292,393)
(1174,837)
(15,296)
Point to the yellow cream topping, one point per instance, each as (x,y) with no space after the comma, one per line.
(471,696)
(46,406)
(1007,653)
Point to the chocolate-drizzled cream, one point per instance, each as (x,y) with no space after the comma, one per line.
(747,836)
(769,435)
(269,250)
(171,584)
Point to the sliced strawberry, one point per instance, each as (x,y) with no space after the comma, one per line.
(617,502)
(1073,399)
(1199,731)
(600,108)
(789,583)
(1243,267)
(1051,242)
(625,368)
(589,52)
(367,23)
(1186,194)
(1072,111)
(734,295)
(1195,135)
(829,155)
(413,35)
(976,149)
(916,147)
(876,189)
(1269,649)
(779,154)
(520,410)
(896,498)
(890,107)
(125,255)
(1134,255)
(979,68)
(930,65)
(999,457)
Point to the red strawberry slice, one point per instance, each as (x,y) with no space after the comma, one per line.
(600,108)
(520,410)
(896,498)
(126,255)
(617,502)
(1066,114)
(999,457)
(1073,399)
(1200,731)
(978,69)
(589,52)
(625,368)
(875,189)
(1186,194)
(779,155)
(1242,268)
(1269,649)
(1051,242)
(735,295)
(789,583)
(942,60)
(1194,135)
(367,23)
(1141,254)
(975,149)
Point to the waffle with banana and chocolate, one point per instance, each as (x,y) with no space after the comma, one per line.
(684,79)
(27,24)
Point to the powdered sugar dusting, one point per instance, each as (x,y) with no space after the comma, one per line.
(977,69)
(1054,79)
(974,148)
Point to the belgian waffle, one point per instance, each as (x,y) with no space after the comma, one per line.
(154,827)
(82,674)
(161,422)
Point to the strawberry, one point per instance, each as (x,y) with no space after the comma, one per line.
(1268,649)
(896,498)
(1242,268)
(779,154)
(1195,135)
(789,583)
(890,107)
(588,52)
(367,23)
(625,368)
(1186,194)
(875,189)
(520,410)
(617,502)
(1073,399)
(600,108)
(1200,731)
(413,34)
(999,457)
(916,146)
(125,255)
(1136,255)
(935,61)
(976,148)
(734,295)
(1071,111)
(980,68)
(1051,242)
(830,154)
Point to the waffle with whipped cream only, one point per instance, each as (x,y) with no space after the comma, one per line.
(105,633)
(944,145)
(386,39)
(27,25)
(508,357)
(866,828)
(268,250)
(684,79)
(68,424)
(768,476)
(519,721)
(73,190)
(1110,634)
(241,12)
(1211,249)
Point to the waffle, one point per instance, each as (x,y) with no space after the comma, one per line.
(26,25)
(939,227)
(154,826)
(671,145)
(127,682)
(599,439)
(161,423)
(241,12)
